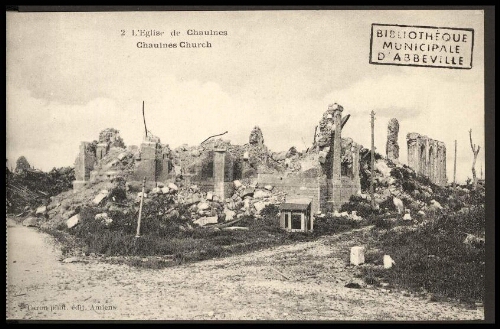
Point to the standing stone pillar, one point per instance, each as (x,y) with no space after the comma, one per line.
(83,165)
(146,167)
(392,147)
(413,151)
(336,156)
(219,169)
(355,166)
(442,180)
(337,142)
(425,160)
(101,150)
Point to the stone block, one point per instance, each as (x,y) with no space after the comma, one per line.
(206,220)
(100,197)
(388,261)
(357,255)
(41,210)
(73,221)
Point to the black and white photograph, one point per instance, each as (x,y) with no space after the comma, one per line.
(235,165)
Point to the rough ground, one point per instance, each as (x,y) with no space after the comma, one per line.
(241,287)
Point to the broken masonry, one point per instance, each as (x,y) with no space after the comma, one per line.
(427,157)
(334,176)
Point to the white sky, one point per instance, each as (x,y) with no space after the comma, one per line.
(71,75)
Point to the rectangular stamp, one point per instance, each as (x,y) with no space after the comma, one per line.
(427,46)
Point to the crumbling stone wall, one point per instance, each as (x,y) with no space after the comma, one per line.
(153,163)
(111,137)
(84,164)
(256,137)
(427,157)
(337,168)
(214,172)
(392,147)
(294,187)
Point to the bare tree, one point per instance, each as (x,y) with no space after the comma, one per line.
(475,150)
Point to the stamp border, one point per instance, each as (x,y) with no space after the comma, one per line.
(422,26)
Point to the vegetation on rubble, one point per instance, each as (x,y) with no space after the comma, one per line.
(28,187)
(433,257)
(429,249)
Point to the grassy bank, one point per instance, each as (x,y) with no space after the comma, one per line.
(434,257)
(162,237)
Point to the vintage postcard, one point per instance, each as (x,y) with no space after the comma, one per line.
(246,165)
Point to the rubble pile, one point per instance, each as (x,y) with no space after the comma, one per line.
(119,162)
(399,191)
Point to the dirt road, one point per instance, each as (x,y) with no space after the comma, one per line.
(246,287)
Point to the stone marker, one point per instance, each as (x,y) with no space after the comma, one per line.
(357,255)
(388,261)
(165,190)
(210,195)
(407,215)
(73,221)
(237,184)
(172,186)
